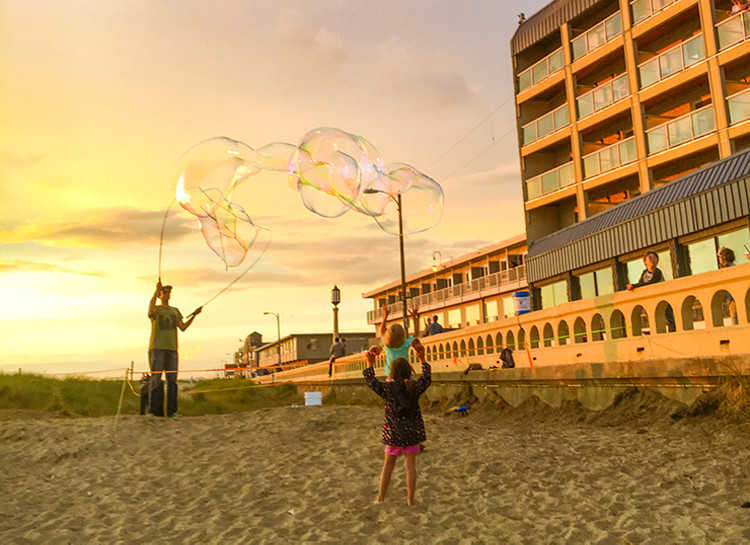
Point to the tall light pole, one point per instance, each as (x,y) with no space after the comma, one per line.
(397,200)
(278,334)
(335,300)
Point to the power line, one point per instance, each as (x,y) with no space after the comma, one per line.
(470,131)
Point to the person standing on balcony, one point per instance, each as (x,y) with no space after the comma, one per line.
(653,275)
(726,260)
(434,328)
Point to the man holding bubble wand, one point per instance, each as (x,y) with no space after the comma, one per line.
(162,349)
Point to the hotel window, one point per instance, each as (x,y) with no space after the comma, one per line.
(703,253)
(596,283)
(509,308)
(472,315)
(490,311)
(636,267)
(454,317)
(554,294)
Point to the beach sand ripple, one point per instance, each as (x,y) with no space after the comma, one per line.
(309,476)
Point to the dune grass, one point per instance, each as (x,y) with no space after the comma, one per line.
(75,396)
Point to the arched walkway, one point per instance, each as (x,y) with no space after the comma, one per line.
(548,335)
(617,325)
(579,330)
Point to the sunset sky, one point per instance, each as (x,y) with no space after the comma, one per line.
(98,100)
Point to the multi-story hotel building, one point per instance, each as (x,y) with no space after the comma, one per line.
(471,289)
(616,99)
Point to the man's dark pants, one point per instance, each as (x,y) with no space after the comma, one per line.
(163,360)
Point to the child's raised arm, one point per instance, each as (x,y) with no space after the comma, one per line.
(425,380)
(369,372)
(381,328)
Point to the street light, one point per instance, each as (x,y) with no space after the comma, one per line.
(278,333)
(335,300)
(397,200)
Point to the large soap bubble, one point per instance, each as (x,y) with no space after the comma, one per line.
(419,196)
(209,174)
(217,164)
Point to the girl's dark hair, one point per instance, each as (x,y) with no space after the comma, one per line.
(405,401)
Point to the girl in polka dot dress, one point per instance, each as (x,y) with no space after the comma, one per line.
(403,429)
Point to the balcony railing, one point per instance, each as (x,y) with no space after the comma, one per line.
(643,9)
(611,157)
(681,129)
(543,68)
(739,106)
(494,283)
(550,181)
(597,36)
(734,29)
(547,124)
(674,60)
(600,97)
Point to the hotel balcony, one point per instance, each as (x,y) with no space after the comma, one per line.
(602,96)
(673,60)
(739,106)
(681,130)
(597,36)
(542,69)
(485,286)
(643,9)
(547,124)
(610,158)
(733,30)
(550,181)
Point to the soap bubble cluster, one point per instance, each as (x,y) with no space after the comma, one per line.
(332,170)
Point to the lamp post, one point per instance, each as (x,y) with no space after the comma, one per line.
(397,200)
(335,300)
(278,334)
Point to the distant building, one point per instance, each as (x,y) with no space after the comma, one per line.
(471,289)
(304,348)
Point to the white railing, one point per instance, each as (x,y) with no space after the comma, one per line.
(643,9)
(597,36)
(739,106)
(485,285)
(550,181)
(681,129)
(600,97)
(611,157)
(547,124)
(541,69)
(734,29)
(672,61)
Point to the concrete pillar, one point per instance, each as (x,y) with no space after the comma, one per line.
(715,76)
(636,108)
(575,139)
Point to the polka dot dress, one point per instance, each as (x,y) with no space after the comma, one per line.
(406,430)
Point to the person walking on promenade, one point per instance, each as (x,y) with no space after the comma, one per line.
(162,349)
(338,350)
(403,428)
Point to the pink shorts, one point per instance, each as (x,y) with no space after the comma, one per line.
(398,451)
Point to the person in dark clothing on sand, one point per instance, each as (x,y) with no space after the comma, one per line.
(403,429)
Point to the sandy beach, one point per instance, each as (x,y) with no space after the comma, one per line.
(290,475)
